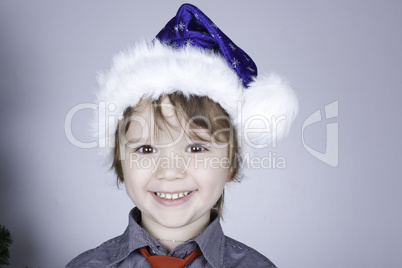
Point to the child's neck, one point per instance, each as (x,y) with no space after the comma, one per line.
(172,237)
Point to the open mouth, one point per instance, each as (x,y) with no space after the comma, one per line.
(172,196)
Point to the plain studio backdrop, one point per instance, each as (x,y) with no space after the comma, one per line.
(58,200)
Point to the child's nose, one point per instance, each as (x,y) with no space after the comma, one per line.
(171,167)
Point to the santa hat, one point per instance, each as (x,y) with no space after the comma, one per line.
(193,56)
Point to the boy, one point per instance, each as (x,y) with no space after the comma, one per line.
(177,144)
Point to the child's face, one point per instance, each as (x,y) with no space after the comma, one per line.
(172,178)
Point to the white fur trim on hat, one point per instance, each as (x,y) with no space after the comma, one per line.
(151,69)
(269,108)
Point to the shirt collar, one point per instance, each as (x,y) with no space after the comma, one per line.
(134,237)
(211,241)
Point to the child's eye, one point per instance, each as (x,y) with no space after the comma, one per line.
(196,148)
(146,149)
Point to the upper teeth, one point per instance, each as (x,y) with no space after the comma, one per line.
(172,196)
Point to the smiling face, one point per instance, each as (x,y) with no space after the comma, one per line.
(174,175)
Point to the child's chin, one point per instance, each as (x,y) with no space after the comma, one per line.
(178,219)
(174,221)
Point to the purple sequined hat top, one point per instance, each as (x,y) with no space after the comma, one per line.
(193,56)
(192,27)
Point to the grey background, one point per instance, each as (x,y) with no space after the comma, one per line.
(59,200)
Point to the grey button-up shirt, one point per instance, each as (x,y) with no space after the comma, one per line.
(218,250)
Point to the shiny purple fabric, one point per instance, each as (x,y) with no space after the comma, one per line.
(192,27)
